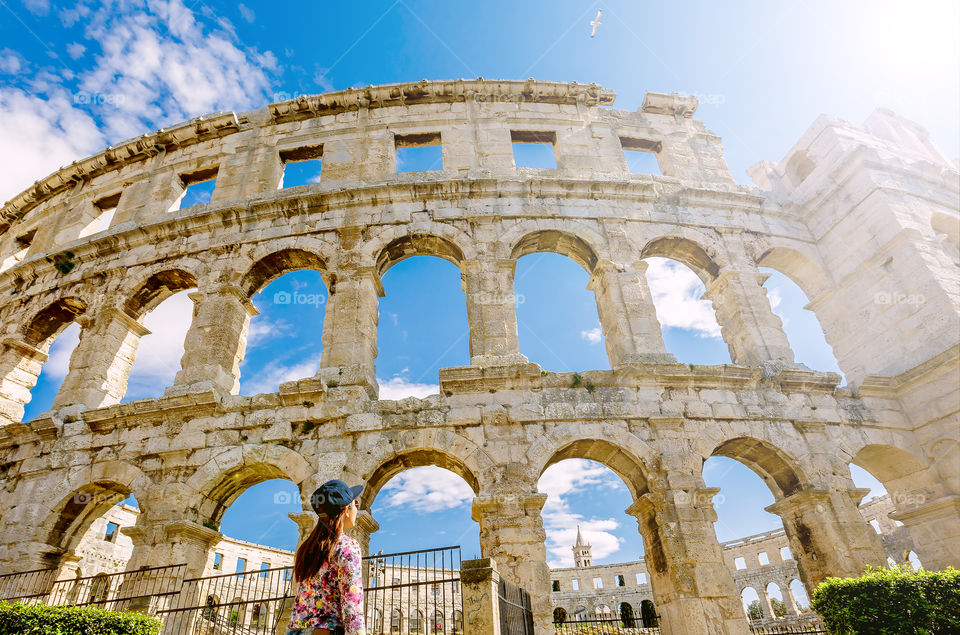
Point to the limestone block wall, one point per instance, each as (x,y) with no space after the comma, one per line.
(497,422)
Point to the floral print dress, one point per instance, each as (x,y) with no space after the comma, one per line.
(334,596)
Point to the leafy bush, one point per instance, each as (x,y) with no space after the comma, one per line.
(38,619)
(891,601)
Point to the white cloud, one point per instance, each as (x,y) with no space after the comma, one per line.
(676,292)
(272,374)
(76,50)
(560,521)
(594,335)
(61,349)
(262,329)
(154,65)
(425,489)
(47,134)
(776,299)
(400,387)
(158,354)
(246,13)
(37,7)
(11,62)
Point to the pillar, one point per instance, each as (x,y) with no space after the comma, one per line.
(215,342)
(350,329)
(765,604)
(492,312)
(481,609)
(693,588)
(789,601)
(511,532)
(935,529)
(749,326)
(20,365)
(627,315)
(827,534)
(100,364)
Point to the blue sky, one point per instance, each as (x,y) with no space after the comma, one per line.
(79,76)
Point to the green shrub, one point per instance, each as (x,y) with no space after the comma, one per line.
(891,601)
(38,619)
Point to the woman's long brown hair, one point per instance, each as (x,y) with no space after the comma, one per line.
(318,547)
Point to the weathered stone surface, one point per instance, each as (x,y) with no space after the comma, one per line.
(862,218)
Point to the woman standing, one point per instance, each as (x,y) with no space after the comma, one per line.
(326,567)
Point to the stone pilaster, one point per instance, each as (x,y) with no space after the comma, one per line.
(100,364)
(481,609)
(365,526)
(215,343)
(627,315)
(935,528)
(827,534)
(789,601)
(492,312)
(20,365)
(511,532)
(350,329)
(693,588)
(749,326)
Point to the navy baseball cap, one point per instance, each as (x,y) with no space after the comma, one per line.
(330,498)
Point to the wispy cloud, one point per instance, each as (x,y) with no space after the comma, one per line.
(594,335)
(561,480)
(424,490)
(158,354)
(269,377)
(400,387)
(676,292)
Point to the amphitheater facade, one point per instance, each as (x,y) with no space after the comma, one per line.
(862,217)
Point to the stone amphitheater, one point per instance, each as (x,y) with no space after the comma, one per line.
(864,218)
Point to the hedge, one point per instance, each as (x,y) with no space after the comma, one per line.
(891,601)
(39,619)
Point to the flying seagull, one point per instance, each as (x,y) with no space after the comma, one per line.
(596,22)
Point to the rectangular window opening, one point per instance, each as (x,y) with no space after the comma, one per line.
(105,208)
(217,561)
(785,553)
(597,583)
(575,585)
(763,558)
(111,534)
(198,187)
(263,569)
(556,585)
(641,578)
(241,565)
(534,149)
(301,165)
(641,155)
(420,152)
(740,563)
(621,581)
(25,240)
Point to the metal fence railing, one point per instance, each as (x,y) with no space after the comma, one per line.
(247,603)
(149,589)
(516,614)
(414,592)
(604,626)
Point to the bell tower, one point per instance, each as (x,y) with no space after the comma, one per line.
(581,552)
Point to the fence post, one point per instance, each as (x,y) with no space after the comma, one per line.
(481,606)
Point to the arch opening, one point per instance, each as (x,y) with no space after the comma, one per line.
(557,242)
(270,267)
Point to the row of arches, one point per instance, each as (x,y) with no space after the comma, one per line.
(100,368)
(645,617)
(220,484)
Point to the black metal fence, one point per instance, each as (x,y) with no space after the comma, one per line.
(414,592)
(516,615)
(149,589)
(604,626)
(249,602)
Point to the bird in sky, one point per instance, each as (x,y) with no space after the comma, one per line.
(596,22)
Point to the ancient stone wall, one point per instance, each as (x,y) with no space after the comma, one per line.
(862,218)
